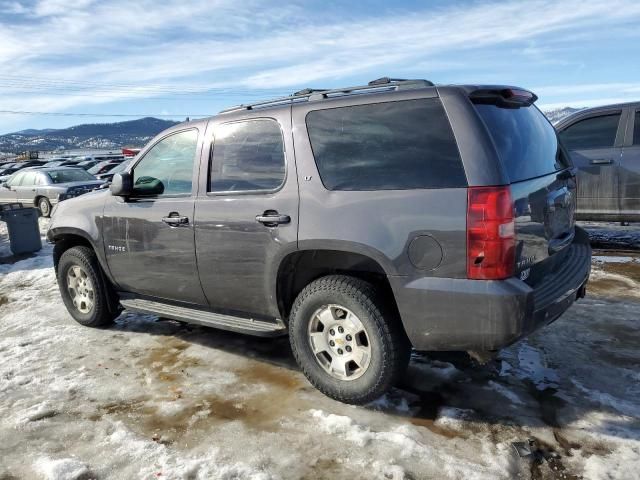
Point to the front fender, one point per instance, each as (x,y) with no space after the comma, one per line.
(80,217)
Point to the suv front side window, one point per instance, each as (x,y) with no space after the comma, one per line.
(593,132)
(167,168)
(247,156)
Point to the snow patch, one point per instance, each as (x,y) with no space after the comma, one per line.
(453,418)
(61,469)
(532,366)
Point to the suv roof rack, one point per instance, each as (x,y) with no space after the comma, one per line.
(382,84)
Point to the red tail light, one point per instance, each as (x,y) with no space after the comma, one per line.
(490,233)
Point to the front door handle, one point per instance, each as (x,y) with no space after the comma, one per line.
(176,220)
(271,218)
(601,161)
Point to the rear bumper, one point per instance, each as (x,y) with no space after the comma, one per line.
(461,314)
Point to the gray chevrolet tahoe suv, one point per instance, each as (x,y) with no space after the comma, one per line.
(360,221)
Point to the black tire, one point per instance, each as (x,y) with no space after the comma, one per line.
(44,205)
(104,309)
(389,347)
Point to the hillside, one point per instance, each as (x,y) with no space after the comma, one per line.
(133,133)
(93,136)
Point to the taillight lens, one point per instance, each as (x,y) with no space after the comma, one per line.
(490,233)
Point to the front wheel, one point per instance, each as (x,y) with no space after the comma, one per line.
(44,205)
(84,291)
(347,343)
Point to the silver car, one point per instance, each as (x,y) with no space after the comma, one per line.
(44,187)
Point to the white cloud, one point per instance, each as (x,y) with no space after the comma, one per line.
(13,8)
(256,44)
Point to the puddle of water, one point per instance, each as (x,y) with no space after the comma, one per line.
(269,374)
(615,278)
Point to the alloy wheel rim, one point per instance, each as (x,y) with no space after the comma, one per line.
(339,342)
(80,288)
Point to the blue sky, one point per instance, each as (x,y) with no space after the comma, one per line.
(194,57)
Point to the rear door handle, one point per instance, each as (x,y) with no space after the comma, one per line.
(176,220)
(601,161)
(272,219)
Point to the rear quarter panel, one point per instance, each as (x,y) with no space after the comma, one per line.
(379,224)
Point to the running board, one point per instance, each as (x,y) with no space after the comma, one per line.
(250,326)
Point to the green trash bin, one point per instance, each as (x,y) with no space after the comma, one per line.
(24,232)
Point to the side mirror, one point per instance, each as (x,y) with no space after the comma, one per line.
(121,185)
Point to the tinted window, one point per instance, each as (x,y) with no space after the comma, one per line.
(69,175)
(594,132)
(247,156)
(636,129)
(525,140)
(386,146)
(167,169)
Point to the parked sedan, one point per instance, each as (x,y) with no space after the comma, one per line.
(46,186)
(604,144)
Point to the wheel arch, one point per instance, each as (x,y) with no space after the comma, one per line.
(301,267)
(68,237)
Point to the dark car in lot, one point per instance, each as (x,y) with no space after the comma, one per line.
(360,221)
(104,166)
(604,144)
(6,172)
(46,186)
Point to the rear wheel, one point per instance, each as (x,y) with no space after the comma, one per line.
(85,293)
(348,345)
(44,205)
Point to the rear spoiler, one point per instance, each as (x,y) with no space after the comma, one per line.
(503,97)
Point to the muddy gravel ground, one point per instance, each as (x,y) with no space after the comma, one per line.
(150,398)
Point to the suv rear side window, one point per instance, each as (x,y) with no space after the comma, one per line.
(385,146)
(636,129)
(525,140)
(247,156)
(594,132)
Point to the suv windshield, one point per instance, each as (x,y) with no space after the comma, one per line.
(70,175)
(526,142)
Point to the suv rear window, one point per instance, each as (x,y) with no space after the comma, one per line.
(385,146)
(526,142)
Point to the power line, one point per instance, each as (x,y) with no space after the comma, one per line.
(70,114)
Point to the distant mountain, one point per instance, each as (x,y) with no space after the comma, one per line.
(558,114)
(33,131)
(134,133)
